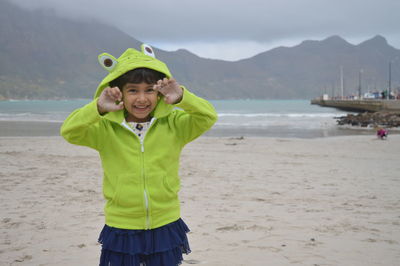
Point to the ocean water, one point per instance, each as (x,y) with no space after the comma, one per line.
(254,118)
(277,118)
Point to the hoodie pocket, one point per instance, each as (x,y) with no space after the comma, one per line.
(172,184)
(129,194)
(162,190)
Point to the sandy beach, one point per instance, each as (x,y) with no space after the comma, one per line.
(251,201)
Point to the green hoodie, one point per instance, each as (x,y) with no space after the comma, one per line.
(140,182)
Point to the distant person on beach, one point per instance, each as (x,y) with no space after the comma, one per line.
(134,125)
(382,133)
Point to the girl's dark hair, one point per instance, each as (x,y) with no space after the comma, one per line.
(136,76)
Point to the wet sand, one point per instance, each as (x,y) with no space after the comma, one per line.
(29,128)
(38,128)
(252,201)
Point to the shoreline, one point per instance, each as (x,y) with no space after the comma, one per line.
(47,129)
(241,138)
(29,128)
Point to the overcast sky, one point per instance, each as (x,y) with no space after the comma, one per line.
(231,30)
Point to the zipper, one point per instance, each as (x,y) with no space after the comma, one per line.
(146,202)
(146,198)
(145,194)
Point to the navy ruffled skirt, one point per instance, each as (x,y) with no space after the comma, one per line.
(161,246)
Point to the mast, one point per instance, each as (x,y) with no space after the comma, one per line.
(390,80)
(359,84)
(341,81)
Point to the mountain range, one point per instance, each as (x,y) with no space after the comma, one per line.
(44,56)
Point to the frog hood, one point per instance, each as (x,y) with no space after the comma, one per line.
(129,60)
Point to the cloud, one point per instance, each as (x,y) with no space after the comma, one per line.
(251,22)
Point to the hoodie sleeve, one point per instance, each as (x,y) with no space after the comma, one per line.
(197,117)
(83,126)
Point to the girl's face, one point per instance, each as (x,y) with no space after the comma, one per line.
(140,99)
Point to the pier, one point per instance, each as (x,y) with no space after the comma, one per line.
(363,105)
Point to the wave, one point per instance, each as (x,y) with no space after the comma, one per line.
(63,115)
(31,120)
(16,114)
(55,117)
(279,115)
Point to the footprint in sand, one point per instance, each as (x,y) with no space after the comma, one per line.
(234,227)
(192,261)
(256,227)
(258,199)
(24,258)
(6,220)
(272,249)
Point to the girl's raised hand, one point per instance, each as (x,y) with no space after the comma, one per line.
(110,100)
(171,90)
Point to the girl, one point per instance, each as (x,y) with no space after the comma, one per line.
(134,125)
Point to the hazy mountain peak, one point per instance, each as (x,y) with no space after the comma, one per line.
(376,41)
(335,39)
(184,51)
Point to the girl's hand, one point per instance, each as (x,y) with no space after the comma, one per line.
(171,90)
(110,100)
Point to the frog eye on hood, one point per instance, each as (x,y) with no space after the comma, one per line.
(147,50)
(107,61)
